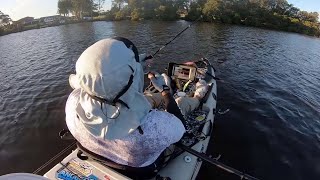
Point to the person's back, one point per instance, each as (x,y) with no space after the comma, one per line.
(119,125)
(160,129)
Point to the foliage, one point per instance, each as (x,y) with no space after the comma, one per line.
(5,22)
(136,14)
(79,8)
(195,11)
(4,19)
(166,12)
(273,14)
(212,9)
(119,16)
(100,4)
(64,7)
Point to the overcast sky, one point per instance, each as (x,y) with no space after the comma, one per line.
(18,9)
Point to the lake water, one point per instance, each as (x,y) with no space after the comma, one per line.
(271,83)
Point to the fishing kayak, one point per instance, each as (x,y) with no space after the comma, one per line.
(181,164)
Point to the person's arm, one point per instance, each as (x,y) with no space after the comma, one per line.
(170,104)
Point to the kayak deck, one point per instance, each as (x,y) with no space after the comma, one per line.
(74,168)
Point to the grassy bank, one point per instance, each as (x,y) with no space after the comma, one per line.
(283,24)
(269,14)
(14,29)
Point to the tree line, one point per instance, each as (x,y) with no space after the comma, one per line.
(272,14)
(80,8)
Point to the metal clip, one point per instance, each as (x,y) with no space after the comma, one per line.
(216,158)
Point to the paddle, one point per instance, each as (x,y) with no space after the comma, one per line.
(207,159)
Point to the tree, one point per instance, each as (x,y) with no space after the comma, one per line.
(119,16)
(4,19)
(305,16)
(293,11)
(314,17)
(182,6)
(64,7)
(211,9)
(100,4)
(118,4)
(82,8)
(195,11)
(136,14)
(134,4)
(149,6)
(273,14)
(167,12)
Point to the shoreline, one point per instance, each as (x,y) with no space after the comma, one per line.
(37,26)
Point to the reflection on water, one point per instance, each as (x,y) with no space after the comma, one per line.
(271,85)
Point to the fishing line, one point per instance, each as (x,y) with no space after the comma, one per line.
(176,36)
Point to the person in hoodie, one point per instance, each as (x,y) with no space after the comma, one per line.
(108,113)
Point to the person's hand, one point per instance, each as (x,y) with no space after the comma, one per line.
(150,75)
(157,81)
(142,59)
(160,82)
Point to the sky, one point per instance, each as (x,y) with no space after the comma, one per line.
(18,9)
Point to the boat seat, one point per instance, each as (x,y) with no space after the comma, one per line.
(147,172)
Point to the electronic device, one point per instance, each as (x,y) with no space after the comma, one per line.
(182,71)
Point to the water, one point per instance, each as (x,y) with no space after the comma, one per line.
(271,83)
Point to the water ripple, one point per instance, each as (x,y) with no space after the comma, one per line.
(271,84)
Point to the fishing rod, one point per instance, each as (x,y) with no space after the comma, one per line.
(175,37)
(215,162)
(151,56)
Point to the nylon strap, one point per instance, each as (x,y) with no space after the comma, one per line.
(125,89)
(116,99)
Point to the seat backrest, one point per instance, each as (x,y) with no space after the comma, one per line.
(132,172)
(147,172)
(85,154)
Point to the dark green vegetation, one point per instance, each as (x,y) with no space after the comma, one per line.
(4,21)
(271,14)
(80,8)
